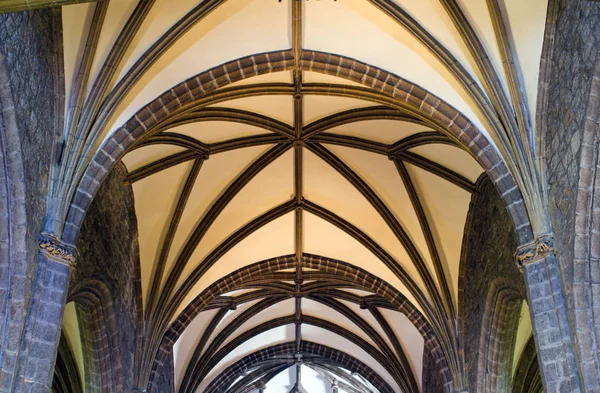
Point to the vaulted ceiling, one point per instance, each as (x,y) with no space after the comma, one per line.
(321,174)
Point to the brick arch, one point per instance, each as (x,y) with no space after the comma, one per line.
(489,282)
(498,336)
(13,229)
(99,336)
(325,355)
(586,252)
(336,268)
(406,94)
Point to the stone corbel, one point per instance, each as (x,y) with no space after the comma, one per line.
(52,248)
(535,251)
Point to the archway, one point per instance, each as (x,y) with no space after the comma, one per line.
(421,268)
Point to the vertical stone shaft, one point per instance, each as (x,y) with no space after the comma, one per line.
(549,317)
(35,364)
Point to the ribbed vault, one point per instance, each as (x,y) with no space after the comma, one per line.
(302,174)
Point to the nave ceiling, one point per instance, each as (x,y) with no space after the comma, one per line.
(304,166)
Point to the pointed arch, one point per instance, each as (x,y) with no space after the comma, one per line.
(335,269)
(402,93)
(99,334)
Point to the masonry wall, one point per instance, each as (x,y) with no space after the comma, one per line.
(576,47)
(28,47)
(108,252)
(488,254)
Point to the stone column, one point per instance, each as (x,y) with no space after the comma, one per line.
(547,306)
(44,317)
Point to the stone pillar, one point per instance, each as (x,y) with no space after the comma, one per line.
(547,306)
(44,318)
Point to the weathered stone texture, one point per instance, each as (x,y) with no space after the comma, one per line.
(28,51)
(431,381)
(550,326)
(573,61)
(26,42)
(166,380)
(487,255)
(38,348)
(108,252)
(576,47)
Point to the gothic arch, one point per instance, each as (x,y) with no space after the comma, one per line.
(492,292)
(498,336)
(322,354)
(99,336)
(210,87)
(334,269)
(190,98)
(403,95)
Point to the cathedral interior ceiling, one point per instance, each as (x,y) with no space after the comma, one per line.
(298,164)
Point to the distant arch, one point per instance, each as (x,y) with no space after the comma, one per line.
(322,355)
(336,268)
(99,336)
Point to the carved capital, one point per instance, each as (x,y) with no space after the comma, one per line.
(535,251)
(51,246)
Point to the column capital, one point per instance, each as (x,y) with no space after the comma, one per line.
(54,249)
(535,251)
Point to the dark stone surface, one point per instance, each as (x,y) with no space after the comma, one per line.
(432,382)
(556,351)
(66,376)
(166,380)
(26,42)
(573,60)
(38,349)
(576,47)
(488,254)
(108,252)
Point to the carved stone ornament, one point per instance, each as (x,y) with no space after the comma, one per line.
(56,250)
(535,251)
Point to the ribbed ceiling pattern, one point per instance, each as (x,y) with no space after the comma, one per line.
(297,215)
